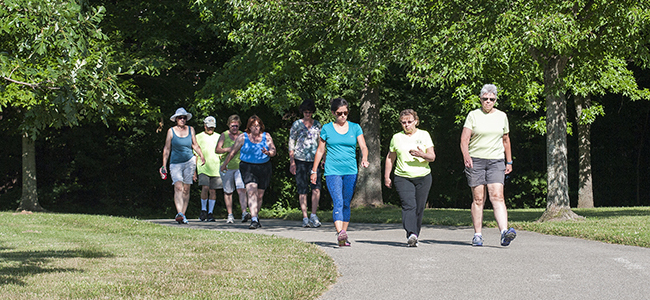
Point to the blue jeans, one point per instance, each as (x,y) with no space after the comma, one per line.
(341,188)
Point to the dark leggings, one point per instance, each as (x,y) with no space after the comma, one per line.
(413,192)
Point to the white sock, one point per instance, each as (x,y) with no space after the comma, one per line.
(312,215)
(254,219)
(204,204)
(503,231)
(211,205)
(478,234)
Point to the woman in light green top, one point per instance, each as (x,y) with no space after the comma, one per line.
(410,152)
(485,144)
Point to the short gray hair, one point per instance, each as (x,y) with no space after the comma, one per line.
(489,89)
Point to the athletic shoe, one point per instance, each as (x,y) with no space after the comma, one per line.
(305,222)
(508,236)
(477,240)
(342,238)
(179,218)
(231,219)
(254,225)
(413,240)
(211,218)
(245,217)
(314,221)
(204,215)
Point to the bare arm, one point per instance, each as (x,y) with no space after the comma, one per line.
(238,143)
(464,146)
(196,146)
(506,146)
(390,161)
(166,150)
(271,147)
(319,155)
(429,155)
(220,149)
(364,151)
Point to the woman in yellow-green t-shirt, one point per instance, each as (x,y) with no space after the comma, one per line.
(410,152)
(485,144)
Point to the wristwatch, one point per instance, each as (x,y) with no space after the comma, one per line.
(313,172)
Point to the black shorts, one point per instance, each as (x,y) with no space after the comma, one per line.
(256,173)
(303,177)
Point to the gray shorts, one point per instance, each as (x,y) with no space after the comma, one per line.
(212,182)
(486,171)
(184,171)
(231,180)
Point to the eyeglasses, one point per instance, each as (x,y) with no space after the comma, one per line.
(181,117)
(234,125)
(489,99)
(407,122)
(342,113)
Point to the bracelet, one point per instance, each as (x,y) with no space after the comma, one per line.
(313,172)
(509,163)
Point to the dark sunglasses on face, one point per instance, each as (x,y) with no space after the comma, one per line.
(234,125)
(489,99)
(182,117)
(342,113)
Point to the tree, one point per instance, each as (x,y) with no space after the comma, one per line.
(520,44)
(319,49)
(56,69)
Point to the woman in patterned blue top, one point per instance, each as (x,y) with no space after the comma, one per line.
(340,138)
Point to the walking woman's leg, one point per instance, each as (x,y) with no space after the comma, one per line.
(349,183)
(478,201)
(335,187)
(422,187)
(407,195)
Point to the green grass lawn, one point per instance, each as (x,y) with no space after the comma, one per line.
(618,225)
(63,256)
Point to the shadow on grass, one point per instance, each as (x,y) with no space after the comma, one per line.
(28,263)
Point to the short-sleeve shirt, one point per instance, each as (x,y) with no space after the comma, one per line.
(304,141)
(233,164)
(487,133)
(208,144)
(341,149)
(407,165)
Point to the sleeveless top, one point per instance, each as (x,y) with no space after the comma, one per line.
(181,148)
(251,152)
(228,142)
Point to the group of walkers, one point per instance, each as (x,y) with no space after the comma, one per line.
(236,160)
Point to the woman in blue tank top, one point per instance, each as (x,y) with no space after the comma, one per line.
(180,141)
(255,150)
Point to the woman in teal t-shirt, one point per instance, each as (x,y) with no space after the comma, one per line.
(411,151)
(340,138)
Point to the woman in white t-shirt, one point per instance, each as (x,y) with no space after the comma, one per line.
(485,144)
(410,152)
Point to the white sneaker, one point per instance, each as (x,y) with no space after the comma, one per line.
(413,240)
(231,219)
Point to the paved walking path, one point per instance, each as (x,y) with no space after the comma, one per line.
(378,265)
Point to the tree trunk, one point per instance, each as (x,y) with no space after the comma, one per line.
(368,189)
(585,185)
(557,200)
(29,198)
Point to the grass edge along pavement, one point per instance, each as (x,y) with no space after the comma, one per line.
(66,256)
(615,225)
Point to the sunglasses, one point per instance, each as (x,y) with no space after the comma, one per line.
(182,117)
(234,125)
(489,99)
(407,122)
(342,113)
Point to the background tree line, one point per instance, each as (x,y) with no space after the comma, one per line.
(248,57)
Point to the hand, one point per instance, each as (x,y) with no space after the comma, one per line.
(388,182)
(195,177)
(266,151)
(202,160)
(365,163)
(292,168)
(468,162)
(313,178)
(163,175)
(223,168)
(508,169)
(416,152)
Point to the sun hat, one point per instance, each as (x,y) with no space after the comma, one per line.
(210,122)
(181,112)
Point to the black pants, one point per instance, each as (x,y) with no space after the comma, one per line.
(413,192)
